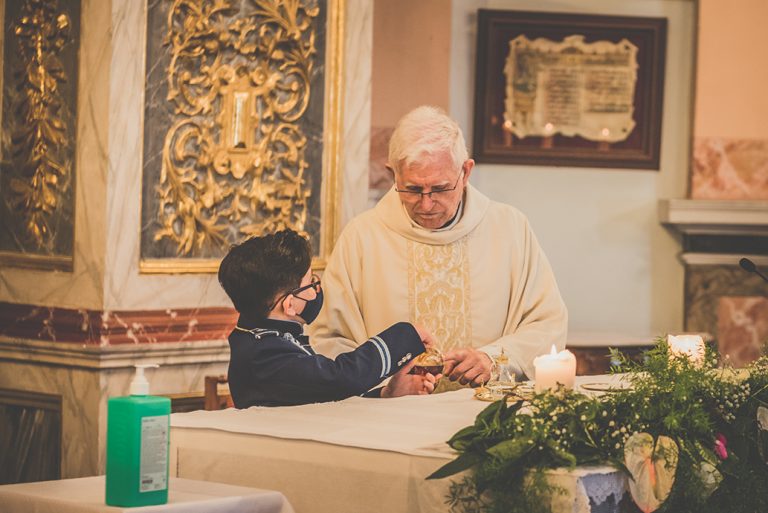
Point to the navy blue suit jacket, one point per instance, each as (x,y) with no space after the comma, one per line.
(272,364)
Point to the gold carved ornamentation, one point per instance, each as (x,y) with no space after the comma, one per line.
(439,291)
(234,162)
(40,144)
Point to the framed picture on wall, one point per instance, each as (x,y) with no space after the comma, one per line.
(557,89)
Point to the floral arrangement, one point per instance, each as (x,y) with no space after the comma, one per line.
(691,434)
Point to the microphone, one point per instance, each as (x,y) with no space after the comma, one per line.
(749,266)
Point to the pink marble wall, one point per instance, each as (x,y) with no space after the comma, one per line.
(734,169)
(742,327)
(729,304)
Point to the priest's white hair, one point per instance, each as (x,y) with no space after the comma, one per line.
(426,131)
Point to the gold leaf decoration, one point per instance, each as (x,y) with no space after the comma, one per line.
(233,161)
(40,143)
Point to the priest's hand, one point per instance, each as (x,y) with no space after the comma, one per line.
(403,383)
(468,366)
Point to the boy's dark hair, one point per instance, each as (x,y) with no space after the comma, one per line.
(256,271)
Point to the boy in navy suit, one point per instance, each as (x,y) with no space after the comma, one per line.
(270,282)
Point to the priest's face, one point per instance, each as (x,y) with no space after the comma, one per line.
(431,189)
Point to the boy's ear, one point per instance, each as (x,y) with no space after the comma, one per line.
(289,305)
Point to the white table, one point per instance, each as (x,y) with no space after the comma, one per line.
(351,456)
(86,495)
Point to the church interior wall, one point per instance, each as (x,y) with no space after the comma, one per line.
(618,268)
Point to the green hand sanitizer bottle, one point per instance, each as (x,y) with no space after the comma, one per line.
(138,429)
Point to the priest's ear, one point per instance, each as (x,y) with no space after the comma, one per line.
(467,167)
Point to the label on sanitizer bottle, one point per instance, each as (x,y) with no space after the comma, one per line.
(154,453)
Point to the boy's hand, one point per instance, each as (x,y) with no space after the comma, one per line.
(403,383)
(425,336)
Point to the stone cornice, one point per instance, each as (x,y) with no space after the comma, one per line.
(95,357)
(715,217)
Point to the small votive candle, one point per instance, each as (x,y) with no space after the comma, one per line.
(690,346)
(554,368)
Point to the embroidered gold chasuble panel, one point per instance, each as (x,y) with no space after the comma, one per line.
(438,288)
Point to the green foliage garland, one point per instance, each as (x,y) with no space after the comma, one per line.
(505,454)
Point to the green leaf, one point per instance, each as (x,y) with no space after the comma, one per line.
(463,462)
(511,450)
(486,417)
(560,454)
(462,438)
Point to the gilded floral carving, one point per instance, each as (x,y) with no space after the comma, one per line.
(234,160)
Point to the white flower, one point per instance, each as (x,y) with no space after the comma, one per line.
(762,417)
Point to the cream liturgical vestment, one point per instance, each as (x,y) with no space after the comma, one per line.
(484,282)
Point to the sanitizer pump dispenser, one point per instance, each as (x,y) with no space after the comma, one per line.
(138,429)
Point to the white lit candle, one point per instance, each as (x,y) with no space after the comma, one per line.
(554,368)
(690,346)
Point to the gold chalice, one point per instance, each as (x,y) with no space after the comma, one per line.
(429,362)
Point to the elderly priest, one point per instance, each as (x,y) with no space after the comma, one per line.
(438,252)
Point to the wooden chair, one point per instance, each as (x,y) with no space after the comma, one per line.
(217,395)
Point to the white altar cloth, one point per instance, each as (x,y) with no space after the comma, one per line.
(355,455)
(418,425)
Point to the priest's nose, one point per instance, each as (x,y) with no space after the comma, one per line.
(426,201)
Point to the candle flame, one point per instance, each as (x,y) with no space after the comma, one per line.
(554,350)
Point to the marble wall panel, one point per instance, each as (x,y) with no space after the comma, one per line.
(358,51)
(125,288)
(86,384)
(380,179)
(729,304)
(742,328)
(80,393)
(39,118)
(726,168)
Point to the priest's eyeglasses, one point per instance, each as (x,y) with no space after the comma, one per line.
(314,284)
(419,195)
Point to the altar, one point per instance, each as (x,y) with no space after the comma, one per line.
(355,455)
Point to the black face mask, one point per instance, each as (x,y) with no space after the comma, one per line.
(312,308)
